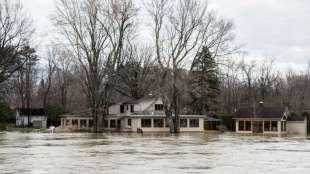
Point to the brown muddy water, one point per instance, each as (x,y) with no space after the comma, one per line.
(64,153)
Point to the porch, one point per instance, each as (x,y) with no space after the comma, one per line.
(250,126)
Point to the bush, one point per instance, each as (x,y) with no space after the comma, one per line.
(6,113)
(227,121)
(54,112)
(2,126)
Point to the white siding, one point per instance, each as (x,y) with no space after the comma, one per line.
(297,128)
(114,109)
(146,105)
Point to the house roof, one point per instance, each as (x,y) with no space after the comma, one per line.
(32,111)
(210,118)
(261,112)
(137,101)
(81,113)
(154,116)
(295,118)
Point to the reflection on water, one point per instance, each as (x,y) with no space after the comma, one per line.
(151,153)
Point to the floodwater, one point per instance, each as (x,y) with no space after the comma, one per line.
(151,153)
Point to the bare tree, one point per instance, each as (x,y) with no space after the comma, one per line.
(15,32)
(96,31)
(25,77)
(50,70)
(63,63)
(136,74)
(266,77)
(248,71)
(180,29)
(231,88)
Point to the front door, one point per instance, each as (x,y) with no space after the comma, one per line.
(257,127)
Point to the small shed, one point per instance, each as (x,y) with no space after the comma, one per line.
(33,117)
(297,125)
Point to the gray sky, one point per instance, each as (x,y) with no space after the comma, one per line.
(269,28)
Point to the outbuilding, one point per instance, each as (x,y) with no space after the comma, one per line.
(33,117)
(269,121)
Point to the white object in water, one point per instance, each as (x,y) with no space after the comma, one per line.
(51,128)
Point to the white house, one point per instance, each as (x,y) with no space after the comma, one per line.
(145,115)
(35,117)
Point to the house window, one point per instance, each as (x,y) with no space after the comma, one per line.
(67,122)
(75,122)
(83,123)
(274,126)
(129,122)
(121,109)
(112,124)
(90,123)
(146,122)
(183,122)
(158,123)
(159,107)
(132,108)
(248,125)
(194,123)
(241,125)
(106,123)
(266,126)
(118,123)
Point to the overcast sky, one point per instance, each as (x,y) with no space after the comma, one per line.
(273,28)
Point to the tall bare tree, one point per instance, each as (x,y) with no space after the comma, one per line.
(15,32)
(231,88)
(63,63)
(96,30)
(180,29)
(50,70)
(136,74)
(249,74)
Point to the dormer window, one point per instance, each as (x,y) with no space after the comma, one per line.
(159,107)
(132,108)
(122,109)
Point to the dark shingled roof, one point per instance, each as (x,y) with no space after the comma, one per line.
(33,111)
(295,118)
(261,112)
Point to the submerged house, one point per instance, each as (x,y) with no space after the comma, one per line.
(34,117)
(268,120)
(146,115)
(77,121)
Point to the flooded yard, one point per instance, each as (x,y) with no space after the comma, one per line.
(151,153)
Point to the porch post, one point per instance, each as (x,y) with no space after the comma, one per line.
(152,122)
(263,126)
(279,127)
(237,125)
